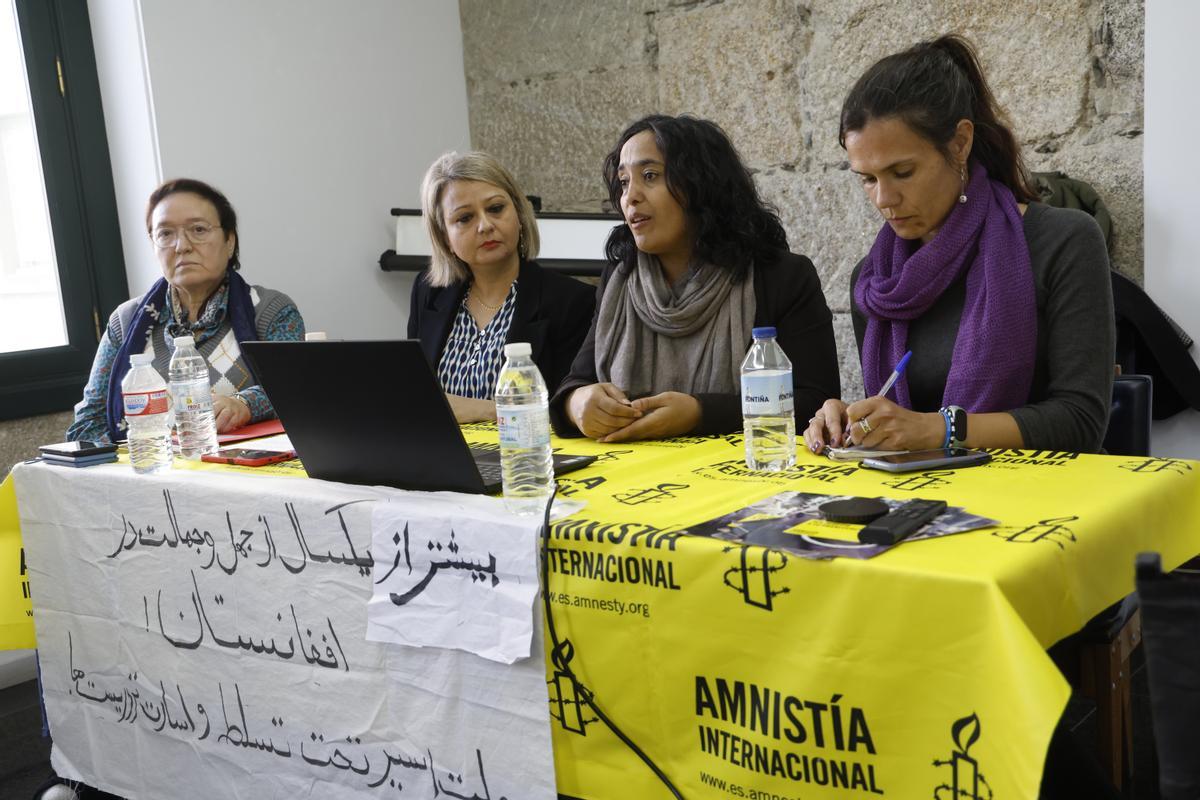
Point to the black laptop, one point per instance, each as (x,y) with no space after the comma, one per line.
(373,413)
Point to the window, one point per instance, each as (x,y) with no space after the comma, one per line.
(61,266)
(31,313)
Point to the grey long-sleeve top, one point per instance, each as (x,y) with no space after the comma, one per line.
(1073,371)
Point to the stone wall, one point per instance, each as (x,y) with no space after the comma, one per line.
(551,84)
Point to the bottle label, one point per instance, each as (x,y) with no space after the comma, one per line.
(767,393)
(185,401)
(140,404)
(525,426)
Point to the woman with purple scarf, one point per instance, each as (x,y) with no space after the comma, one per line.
(1004,302)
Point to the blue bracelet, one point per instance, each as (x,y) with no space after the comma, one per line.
(945,412)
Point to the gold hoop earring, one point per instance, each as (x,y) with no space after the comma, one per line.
(962,177)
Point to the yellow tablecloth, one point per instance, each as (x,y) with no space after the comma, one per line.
(740,671)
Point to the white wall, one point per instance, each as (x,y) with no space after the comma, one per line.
(315,117)
(129,124)
(1172,240)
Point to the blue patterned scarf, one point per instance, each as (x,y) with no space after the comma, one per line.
(241,317)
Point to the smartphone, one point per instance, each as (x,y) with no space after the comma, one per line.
(943,457)
(77,449)
(248,458)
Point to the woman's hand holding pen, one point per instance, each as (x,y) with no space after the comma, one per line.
(875,422)
(880,424)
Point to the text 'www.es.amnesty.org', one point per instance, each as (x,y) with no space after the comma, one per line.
(610,605)
(737,790)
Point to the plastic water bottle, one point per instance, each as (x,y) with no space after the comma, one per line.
(767,409)
(192,396)
(523,415)
(144,395)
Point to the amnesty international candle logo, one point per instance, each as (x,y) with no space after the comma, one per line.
(926,480)
(575,707)
(751,578)
(1052,530)
(609,456)
(1155,465)
(966,780)
(650,494)
(569,700)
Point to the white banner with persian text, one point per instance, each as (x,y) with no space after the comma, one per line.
(454,571)
(204,635)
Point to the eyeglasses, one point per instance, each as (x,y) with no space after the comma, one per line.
(196,233)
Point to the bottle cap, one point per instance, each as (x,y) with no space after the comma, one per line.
(141,359)
(185,340)
(855,510)
(315,336)
(763,333)
(517,349)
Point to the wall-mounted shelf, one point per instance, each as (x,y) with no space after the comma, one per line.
(571,243)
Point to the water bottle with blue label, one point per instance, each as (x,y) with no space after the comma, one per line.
(767,416)
(523,416)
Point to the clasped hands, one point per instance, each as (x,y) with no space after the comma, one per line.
(602,412)
(875,422)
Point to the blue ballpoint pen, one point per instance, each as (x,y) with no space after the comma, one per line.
(887,386)
(895,376)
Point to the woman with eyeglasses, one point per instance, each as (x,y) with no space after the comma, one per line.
(193,229)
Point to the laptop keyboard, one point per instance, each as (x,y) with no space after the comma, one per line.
(489,472)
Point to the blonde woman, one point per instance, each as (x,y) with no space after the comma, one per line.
(483,288)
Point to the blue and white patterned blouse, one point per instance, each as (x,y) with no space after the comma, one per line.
(472,357)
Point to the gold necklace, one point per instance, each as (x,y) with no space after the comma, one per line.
(471,296)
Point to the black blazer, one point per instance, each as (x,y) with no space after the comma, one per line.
(553,314)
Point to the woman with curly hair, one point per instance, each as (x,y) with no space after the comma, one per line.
(698,263)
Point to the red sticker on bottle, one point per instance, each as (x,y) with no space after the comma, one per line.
(140,404)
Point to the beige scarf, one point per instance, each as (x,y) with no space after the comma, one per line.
(651,338)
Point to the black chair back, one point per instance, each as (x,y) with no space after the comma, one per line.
(1171,634)
(1128,431)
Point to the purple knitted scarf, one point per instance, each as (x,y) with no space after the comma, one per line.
(991,368)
